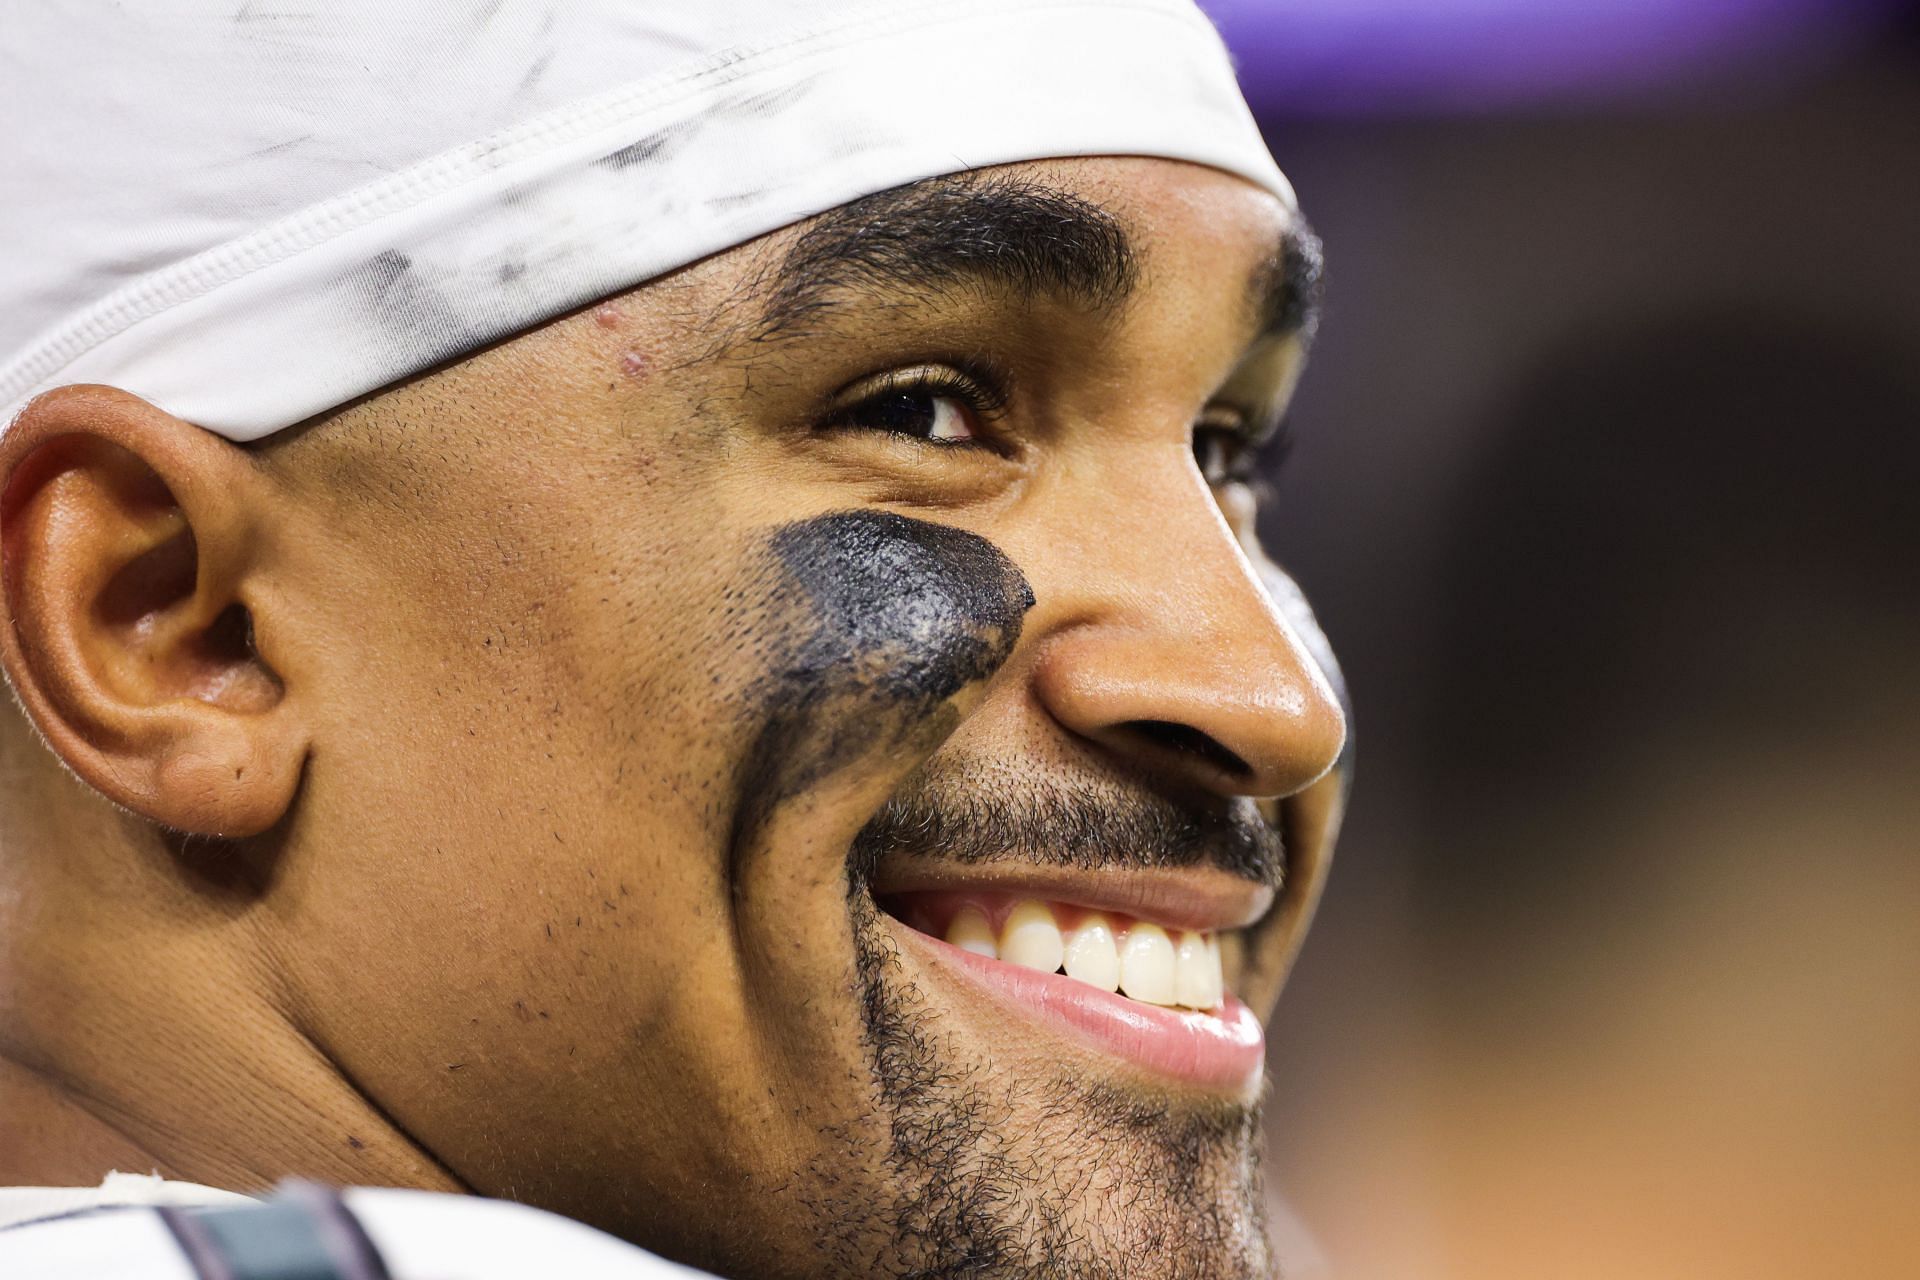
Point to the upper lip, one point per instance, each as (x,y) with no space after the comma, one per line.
(1198,898)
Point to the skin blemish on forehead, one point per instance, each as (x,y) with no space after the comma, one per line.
(873,622)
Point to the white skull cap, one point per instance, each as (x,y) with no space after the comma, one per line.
(249,213)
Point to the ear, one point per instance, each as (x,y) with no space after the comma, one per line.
(131,561)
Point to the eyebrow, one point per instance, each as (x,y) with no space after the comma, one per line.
(1003,233)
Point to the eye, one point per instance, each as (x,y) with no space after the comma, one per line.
(938,405)
(1229,447)
(921,414)
(1223,454)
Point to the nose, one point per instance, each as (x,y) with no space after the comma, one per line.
(1162,647)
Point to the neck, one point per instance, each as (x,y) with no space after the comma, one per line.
(48,1138)
(140,1031)
(182,1106)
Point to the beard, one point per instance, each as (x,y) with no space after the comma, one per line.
(965,1170)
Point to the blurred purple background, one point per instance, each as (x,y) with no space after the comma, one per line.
(1334,57)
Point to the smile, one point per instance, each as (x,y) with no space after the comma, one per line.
(1142,975)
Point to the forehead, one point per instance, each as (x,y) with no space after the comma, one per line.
(1170,204)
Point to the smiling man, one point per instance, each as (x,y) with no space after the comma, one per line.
(673,632)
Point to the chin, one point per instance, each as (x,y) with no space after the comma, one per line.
(1033,1124)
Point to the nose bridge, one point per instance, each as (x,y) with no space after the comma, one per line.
(1169,646)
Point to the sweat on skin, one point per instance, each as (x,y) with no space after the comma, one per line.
(588,715)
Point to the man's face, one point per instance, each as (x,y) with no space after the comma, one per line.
(677,672)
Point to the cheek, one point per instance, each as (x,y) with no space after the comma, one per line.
(655,713)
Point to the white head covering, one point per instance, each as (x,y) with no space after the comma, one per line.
(252,212)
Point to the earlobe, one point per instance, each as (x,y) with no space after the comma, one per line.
(131,558)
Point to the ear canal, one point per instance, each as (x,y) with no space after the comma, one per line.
(247,683)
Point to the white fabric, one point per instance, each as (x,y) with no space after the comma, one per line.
(420,1236)
(252,212)
(423,1236)
(132,1244)
(128,1245)
(30,1204)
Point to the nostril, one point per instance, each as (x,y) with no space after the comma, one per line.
(1185,740)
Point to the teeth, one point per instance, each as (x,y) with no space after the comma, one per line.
(1031,938)
(1195,973)
(1092,956)
(1146,964)
(971,932)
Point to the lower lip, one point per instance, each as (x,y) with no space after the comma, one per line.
(1223,1050)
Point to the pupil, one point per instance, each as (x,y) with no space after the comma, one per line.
(910,413)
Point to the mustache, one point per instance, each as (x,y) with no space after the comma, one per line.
(998,814)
